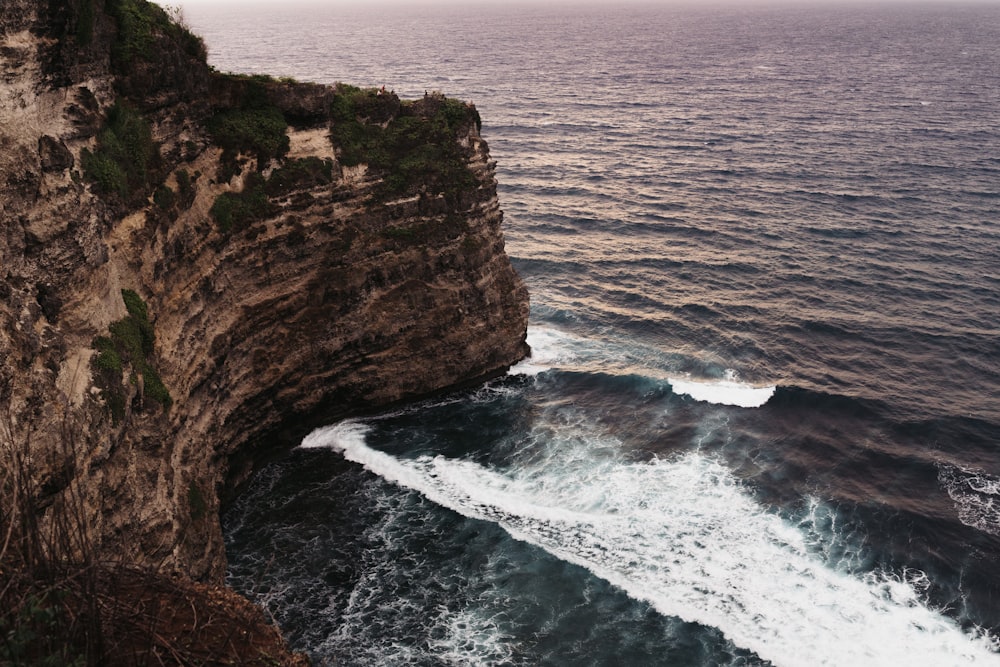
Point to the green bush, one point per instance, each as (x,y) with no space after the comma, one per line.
(135,20)
(108,358)
(261,131)
(302,173)
(105,173)
(125,156)
(164,197)
(154,387)
(184,182)
(411,145)
(139,23)
(135,306)
(234,211)
(131,341)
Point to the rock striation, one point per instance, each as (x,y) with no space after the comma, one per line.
(269,287)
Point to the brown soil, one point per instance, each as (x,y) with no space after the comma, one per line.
(161,620)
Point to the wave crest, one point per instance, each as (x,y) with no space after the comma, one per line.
(727,391)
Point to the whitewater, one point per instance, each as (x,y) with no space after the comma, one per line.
(682,535)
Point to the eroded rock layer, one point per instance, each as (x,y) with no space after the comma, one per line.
(266,287)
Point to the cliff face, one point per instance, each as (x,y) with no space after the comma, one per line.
(267,285)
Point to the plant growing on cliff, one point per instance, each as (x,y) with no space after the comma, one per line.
(412,145)
(254,126)
(233,211)
(130,343)
(301,173)
(139,22)
(126,155)
(257,130)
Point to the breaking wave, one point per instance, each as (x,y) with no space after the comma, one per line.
(683,535)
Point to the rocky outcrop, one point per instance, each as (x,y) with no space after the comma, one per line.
(331,286)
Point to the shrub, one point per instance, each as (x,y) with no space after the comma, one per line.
(135,30)
(257,130)
(66,600)
(411,145)
(302,173)
(399,233)
(236,210)
(125,156)
(85,22)
(139,23)
(105,173)
(164,197)
(108,358)
(183,181)
(44,567)
(186,187)
(131,341)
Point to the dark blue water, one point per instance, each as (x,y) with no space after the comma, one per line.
(762,420)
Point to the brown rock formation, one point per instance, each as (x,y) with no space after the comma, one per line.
(341,294)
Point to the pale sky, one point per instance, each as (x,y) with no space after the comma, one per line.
(609,3)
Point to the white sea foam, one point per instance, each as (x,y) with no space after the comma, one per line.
(553,348)
(471,639)
(727,391)
(549,348)
(976,495)
(683,535)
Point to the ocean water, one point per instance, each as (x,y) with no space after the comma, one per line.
(761,423)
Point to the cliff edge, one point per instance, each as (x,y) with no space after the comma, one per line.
(196,268)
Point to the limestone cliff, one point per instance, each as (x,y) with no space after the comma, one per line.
(283,253)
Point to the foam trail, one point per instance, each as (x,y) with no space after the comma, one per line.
(552,348)
(685,537)
(728,391)
(976,495)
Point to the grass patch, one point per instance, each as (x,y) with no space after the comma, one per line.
(126,156)
(130,342)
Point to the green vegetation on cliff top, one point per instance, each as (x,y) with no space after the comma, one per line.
(139,23)
(412,145)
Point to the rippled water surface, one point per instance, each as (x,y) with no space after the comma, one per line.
(762,420)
